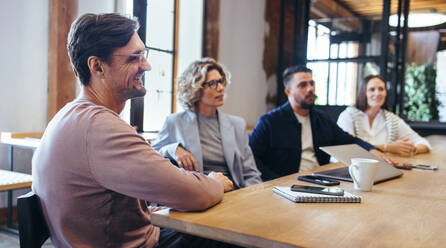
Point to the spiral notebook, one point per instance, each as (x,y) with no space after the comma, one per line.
(315,198)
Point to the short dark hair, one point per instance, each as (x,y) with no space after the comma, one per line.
(361,97)
(289,72)
(97,35)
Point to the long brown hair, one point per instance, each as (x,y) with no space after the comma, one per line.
(361,97)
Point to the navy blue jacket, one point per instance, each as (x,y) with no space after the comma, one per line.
(276,140)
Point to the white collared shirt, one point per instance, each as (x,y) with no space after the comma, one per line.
(378,132)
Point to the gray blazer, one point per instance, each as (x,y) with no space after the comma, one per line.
(182,128)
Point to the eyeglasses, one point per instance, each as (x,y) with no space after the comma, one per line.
(214,83)
(137,56)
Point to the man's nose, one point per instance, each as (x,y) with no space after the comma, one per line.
(146,65)
(310,88)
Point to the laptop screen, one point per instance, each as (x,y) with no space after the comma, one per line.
(344,154)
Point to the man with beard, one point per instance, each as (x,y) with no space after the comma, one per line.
(286,140)
(92,172)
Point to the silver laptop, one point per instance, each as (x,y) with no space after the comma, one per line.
(344,154)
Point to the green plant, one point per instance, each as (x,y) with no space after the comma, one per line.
(421,103)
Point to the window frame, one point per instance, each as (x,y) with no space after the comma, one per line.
(137,104)
(335,61)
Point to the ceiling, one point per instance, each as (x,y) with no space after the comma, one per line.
(349,10)
(373,8)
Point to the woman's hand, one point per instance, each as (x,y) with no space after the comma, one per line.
(227,184)
(186,160)
(402,147)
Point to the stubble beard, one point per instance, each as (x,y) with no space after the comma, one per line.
(135,92)
(305,105)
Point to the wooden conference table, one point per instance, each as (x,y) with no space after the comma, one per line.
(406,212)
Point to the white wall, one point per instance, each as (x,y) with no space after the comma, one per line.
(96,6)
(190,36)
(242,28)
(190,32)
(24,75)
(24,61)
(24,65)
(24,71)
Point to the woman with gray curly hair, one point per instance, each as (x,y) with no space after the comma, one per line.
(202,138)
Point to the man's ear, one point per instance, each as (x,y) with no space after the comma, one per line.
(95,65)
(287,91)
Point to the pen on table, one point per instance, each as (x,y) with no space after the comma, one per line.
(424,167)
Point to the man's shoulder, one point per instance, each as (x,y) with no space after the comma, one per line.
(89,108)
(92,116)
(276,113)
(321,115)
(81,111)
(78,120)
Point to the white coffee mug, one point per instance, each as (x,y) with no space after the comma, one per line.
(363,172)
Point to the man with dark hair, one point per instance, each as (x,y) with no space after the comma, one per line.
(92,172)
(286,140)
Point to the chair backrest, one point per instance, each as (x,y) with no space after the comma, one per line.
(332,110)
(33,230)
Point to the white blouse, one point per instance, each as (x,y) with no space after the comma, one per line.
(378,133)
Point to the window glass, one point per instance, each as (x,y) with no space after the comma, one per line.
(322,42)
(320,80)
(332,83)
(160,24)
(159,81)
(311,44)
(158,100)
(334,51)
(165,58)
(343,50)
(335,80)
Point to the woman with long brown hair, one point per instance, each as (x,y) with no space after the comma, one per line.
(370,120)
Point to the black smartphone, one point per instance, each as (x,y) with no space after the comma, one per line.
(318,180)
(317,190)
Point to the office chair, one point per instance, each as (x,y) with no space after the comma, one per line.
(33,230)
(332,110)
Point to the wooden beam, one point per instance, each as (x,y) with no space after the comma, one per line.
(326,10)
(61,78)
(211,28)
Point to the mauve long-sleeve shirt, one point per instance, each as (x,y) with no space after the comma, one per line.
(93,174)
